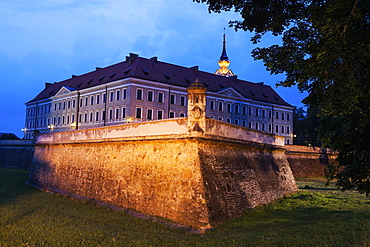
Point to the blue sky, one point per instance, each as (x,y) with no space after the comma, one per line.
(50,40)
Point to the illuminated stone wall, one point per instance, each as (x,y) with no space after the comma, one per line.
(308,161)
(197,181)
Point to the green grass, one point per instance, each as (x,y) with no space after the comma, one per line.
(316,216)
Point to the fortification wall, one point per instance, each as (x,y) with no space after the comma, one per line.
(308,161)
(197,181)
(16,153)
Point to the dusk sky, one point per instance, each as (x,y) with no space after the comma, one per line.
(51,40)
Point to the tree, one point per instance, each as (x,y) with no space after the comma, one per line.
(305,127)
(325,51)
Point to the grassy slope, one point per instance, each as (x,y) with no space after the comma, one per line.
(316,216)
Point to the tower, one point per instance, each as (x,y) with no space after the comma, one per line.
(224,62)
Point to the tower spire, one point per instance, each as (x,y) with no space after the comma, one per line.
(224,61)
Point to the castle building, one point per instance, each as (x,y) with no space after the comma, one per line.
(140,89)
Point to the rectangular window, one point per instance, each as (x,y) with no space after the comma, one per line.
(172,99)
(97,116)
(277,128)
(92,100)
(159,114)
(282,116)
(110,114)
(139,94)
(244,109)
(91,116)
(220,106)
(69,104)
(149,114)
(86,101)
(111,98)
(250,111)
(287,130)
(277,115)
(160,98)
(250,125)
(212,105)
(118,96)
(172,114)
(64,105)
(80,118)
(124,96)
(58,120)
(150,96)
(98,99)
(244,123)
(236,109)
(182,100)
(117,113)
(263,113)
(85,118)
(257,112)
(63,118)
(74,103)
(256,126)
(270,128)
(73,118)
(103,117)
(228,120)
(59,106)
(228,107)
(236,121)
(282,129)
(139,112)
(220,118)
(104,98)
(182,114)
(263,127)
(287,117)
(124,112)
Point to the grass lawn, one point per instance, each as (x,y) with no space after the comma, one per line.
(316,216)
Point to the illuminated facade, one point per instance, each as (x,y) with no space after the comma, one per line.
(140,89)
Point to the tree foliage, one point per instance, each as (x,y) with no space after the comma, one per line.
(325,50)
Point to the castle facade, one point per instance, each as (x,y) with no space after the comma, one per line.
(140,89)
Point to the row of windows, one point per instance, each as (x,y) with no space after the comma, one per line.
(40,110)
(160,97)
(247,110)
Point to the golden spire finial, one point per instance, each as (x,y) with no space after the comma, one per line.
(224,61)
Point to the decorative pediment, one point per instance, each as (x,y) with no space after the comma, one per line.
(231,92)
(64,90)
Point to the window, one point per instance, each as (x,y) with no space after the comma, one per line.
(80,118)
(212,105)
(118,95)
(244,109)
(220,106)
(277,128)
(282,116)
(182,100)
(91,116)
(117,113)
(270,128)
(244,123)
(74,103)
(277,115)
(58,120)
(236,109)
(59,106)
(97,116)
(282,129)
(138,112)
(263,127)
(250,125)
(182,114)
(160,114)
(228,120)
(98,99)
(287,130)
(110,114)
(104,98)
(172,114)
(172,99)
(85,118)
(73,118)
(263,113)
(150,96)
(111,98)
(86,101)
(64,105)
(228,107)
(139,94)
(270,114)
(250,111)
(149,114)
(257,112)
(103,115)
(160,98)
(287,117)
(257,126)
(69,104)
(92,100)
(124,112)
(124,94)
(236,121)
(220,118)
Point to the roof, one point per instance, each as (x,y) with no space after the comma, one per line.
(170,74)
